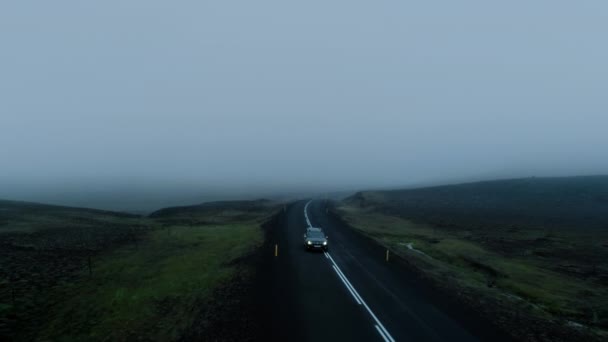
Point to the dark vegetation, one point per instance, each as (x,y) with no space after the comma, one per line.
(82,274)
(579,203)
(532,253)
(213,209)
(42,247)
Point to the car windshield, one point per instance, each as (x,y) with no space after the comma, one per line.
(315,235)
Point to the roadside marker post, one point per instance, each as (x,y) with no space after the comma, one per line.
(276,250)
(387,254)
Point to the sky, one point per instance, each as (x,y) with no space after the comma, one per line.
(232,97)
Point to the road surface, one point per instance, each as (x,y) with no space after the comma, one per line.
(350,293)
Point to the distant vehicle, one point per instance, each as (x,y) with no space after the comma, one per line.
(314,238)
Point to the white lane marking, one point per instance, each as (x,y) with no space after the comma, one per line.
(363,302)
(381,333)
(306,214)
(347,286)
(379,327)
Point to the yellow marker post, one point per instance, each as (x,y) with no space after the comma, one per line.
(276,250)
(387,253)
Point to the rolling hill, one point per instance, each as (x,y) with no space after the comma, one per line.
(569,202)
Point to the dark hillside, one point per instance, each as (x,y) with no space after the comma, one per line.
(18,211)
(212,207)
(43,246)
(82,274)
(570,202)
(212,212)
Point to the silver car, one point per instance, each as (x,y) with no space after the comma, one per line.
(314,239)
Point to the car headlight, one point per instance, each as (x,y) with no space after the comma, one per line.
(308,242)
(324,243)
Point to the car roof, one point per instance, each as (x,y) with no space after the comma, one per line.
(313,229)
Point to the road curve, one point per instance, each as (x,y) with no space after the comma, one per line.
(350,293)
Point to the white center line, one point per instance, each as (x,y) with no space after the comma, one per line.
(381,333)
(379,327)
(347,285)
(362,301)
(306,214)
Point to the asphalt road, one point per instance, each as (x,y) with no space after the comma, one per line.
(350,293)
